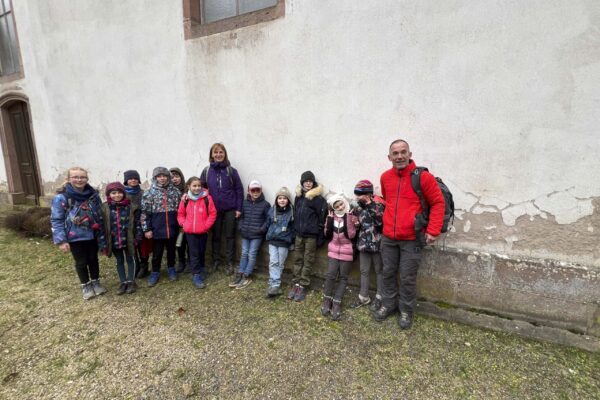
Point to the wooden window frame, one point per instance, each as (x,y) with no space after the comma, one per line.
(193,26)
(19,74)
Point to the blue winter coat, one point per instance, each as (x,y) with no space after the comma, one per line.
(77,216)
(280,224)
(253,222)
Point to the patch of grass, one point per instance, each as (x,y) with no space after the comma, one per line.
(237,344)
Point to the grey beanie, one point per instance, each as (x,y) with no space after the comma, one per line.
(160,171)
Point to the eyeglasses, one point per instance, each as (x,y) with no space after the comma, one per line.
(79,178)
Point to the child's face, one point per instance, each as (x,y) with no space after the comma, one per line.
(363,198)
(162,179)
(78,178)
(338,206)
(282,201)
(307,185)
(176,179)
(195,187)
(255,193)
(133,182)
(116,195)
(218,154)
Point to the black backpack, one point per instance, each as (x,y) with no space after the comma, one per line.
(421,220)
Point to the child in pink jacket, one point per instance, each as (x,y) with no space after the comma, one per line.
(196,214)
(340,228)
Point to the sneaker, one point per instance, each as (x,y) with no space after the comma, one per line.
(122,288)
(405,320)
(300,294)
(273,291)
(153,279)
(383,313)
(172,274)
(336,310)
(98,288)
(87,290)
(245,282)
(375,305)
(131,287)
(292,293)
(360,302)
(236,280)
(326,306)
(180,267)
(198,282)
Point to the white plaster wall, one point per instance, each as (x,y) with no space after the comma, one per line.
(499,98)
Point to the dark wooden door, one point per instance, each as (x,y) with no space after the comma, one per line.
(19,120)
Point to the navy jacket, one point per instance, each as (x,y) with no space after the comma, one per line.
(253,222)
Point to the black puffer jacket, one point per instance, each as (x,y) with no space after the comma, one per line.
(253,222)
(310,210)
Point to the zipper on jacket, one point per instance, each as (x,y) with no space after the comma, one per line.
(118,228)
(194,223)
(166,212)
(396,208)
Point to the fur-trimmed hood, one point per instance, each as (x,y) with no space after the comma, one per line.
(312,193)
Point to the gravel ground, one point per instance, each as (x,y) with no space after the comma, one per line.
(176,342)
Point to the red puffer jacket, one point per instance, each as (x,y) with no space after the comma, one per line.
(402,203)
(194,217)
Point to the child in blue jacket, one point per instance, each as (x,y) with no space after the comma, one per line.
(77,226)
(281,236)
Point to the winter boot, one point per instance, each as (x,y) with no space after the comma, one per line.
(88,291)
(292,293)
(143,272)
(122,288)
(98,288)
(336,310)
(153,279)
(375,305)
(300,293)
(198,282)
(172,274)
(131,287)
(326,307)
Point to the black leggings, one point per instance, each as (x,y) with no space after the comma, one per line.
(85,254)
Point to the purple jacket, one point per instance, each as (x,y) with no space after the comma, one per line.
(224,185)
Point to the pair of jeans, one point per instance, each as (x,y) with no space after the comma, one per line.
(250,249)
(224,225)
(197,248)
(366,260)
(306,248)
(336,269)
(277,257)
(400,258)
(85,254)
(121,255)
(158,250)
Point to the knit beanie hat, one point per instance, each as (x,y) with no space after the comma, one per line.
(160,171)
(307,176)
(114,186)
(284,191)
(363,187)
(131,174)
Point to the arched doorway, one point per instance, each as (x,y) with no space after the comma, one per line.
(18,149)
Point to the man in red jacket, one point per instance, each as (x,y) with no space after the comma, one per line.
(400,249)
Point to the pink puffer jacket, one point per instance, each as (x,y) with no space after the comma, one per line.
(341,230)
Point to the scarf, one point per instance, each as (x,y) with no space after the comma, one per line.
(132,190)
(78,196)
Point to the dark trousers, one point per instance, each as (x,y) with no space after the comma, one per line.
(122,255)
(224,226)
(159,248)
(335,268)
(182,250)
(400,257)
(305,251)
(85,254)
(197,248)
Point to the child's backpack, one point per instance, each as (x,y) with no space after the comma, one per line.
(415,180)
(204,175)
(187,200)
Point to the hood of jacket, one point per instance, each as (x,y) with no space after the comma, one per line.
(311,194)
